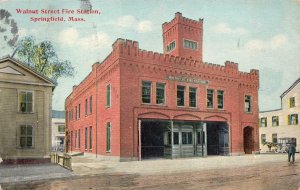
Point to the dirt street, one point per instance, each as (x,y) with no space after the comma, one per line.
(262,176)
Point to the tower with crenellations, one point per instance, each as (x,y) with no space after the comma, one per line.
(183,37)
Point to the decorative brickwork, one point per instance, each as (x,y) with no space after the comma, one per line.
(127,66)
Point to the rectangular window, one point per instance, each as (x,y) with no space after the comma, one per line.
(190,44)
(91,138)
(71,114)
(292,102)
(86,107)
(25,100)
(201,139)
(210,98)
(275,120)
(180,95)
(248,104)
(91,104)
(78,138)
(26,136)
(187,137)
(108,132)
(167,140)
(274,138)
(193,97)
(293,119)
(76,113)
(175,138)
(171,46)
(263,122)
(86,139)
(220,99)
(61,128)
(79,111)
(160,93)
(71,140)
(263,138)
(146,91)
(108,96)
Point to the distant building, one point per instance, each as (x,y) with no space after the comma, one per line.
(283,122)
(26,98)
(140,104)
(58,130)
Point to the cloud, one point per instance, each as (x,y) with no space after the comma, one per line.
(145,26)
(95,40)
(126,21)
(258,46)
(223,28)
(255,46)
(130,22)
(71,37)
(278,41)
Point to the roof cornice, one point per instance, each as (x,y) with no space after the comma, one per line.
(290,88)
(31,70)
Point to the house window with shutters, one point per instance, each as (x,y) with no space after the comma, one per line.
(292,119)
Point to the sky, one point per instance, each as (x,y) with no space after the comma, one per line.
(256,34)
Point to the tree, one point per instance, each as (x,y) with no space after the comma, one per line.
(8,30)
(43,58)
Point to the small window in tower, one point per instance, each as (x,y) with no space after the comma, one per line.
(248,104)
(190,44)
(171,46)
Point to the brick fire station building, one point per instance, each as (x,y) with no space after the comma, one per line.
(140,104)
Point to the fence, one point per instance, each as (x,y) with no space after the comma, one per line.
(64,160)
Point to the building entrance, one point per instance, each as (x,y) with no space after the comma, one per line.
(217,138)
(152,138)
(248,140)
(176,139)
(172,139)
(189,139)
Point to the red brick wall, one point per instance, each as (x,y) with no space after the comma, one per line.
(127,66)
(106,74)
(228,78)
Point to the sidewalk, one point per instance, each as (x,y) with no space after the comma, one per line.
(89,165)
(30,172)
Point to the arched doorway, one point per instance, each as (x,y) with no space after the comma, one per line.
(248,140)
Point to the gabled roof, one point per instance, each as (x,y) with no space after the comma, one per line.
(290,88)
(29,69)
